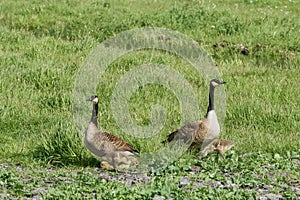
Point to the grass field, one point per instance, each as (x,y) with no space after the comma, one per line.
(44,44)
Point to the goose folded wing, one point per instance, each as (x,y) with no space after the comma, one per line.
(185,133)
(119,143)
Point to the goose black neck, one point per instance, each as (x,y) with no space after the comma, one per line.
(211,105)
(94,114)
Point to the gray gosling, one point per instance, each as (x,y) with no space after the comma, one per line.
(219,146)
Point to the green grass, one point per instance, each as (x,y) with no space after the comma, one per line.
(43,45)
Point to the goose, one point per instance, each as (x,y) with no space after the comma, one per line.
(220,146)
(115,152)
(201,132)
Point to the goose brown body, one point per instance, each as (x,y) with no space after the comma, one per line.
(107,141)
(197,133)
(193,132)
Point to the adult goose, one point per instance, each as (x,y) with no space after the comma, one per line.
(115,152)
(203,132)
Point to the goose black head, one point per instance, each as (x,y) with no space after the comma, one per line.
(94,99)
(216,82)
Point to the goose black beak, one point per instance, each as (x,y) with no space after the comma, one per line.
(223,82)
